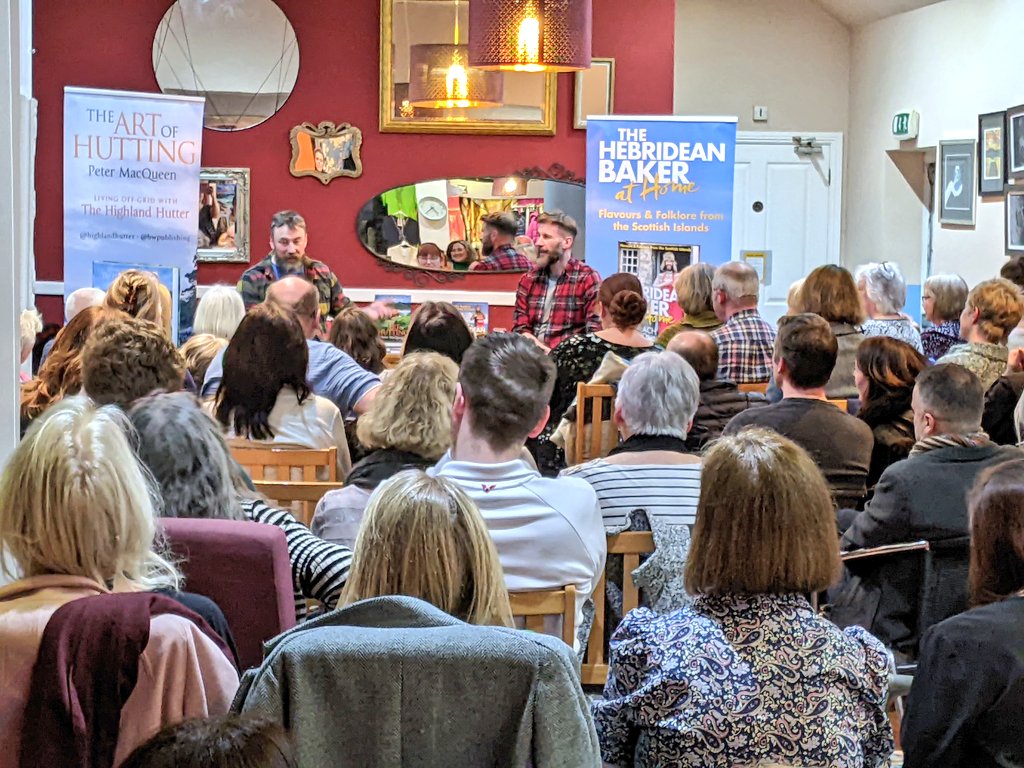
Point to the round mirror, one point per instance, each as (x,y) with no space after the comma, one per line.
(241,55)
(481,224)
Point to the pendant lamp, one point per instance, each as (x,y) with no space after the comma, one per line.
(530,35)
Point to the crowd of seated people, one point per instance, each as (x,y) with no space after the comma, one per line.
(770,462)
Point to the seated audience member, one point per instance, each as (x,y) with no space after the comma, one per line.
(231,741)
(793,297)
(77,459)
(264,396)
(30,324)
(805,354)
(219,312)
(199,351)
(187,456)
(883,293)
(430,256)
(460,255)
(719,400)
(999,420)
(993,309)
(497,240)
(409,426)
(622,309)
(965,705)
(745,340)
(331,373)
(78,300)
(437,326)
(424,537)
(137,293)
(356,334)
(548,531)
(942,299)
(886,370)
(922,497)
(1013,270)
(693,294)
(126,358)
(681,685)
(61,374)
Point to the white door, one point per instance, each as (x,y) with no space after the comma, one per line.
(787,202)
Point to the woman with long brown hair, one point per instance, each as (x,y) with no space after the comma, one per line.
(968,694)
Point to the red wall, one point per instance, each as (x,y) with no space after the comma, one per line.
(108,44)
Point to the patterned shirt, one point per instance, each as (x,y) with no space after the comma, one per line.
(255,281)
(986,361)
(937,340)
(901,329)
(740,679)
(503,258)
(745,347)
(573,307)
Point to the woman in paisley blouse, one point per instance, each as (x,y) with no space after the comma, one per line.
(748,673)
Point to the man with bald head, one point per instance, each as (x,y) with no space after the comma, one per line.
(746,341)
(331,373)
(720,399)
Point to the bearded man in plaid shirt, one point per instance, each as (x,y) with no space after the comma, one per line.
(557,299)
(746,342)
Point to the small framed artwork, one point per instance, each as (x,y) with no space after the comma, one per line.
(326,151)
(595,91)
(991,153)
(1015,143)
(1014,220)
(223,215)
(956,183)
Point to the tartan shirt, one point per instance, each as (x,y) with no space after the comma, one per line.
(255,281)
(506,258)
(745,347)
(573,307)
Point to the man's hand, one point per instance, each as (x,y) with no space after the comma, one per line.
(380,310)
(1015,362)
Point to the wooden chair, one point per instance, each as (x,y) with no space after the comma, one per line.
(391,360)
(258,459)
(843,404)
(299,498)
(595,439)
(534,606)
(754,386)
(631,545)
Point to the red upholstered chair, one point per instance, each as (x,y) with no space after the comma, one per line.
(244,568)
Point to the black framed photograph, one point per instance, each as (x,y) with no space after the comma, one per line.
(1014,219)
(957,165)
(1015,142)
(991,153)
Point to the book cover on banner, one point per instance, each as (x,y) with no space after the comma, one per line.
(105,272)
(476,314)
(395,328)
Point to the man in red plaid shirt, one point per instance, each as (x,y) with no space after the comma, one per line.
(497,244)
(557,299)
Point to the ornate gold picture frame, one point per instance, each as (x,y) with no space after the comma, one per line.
(326,151)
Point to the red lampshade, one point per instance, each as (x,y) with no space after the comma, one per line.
(440,78)
(530,35)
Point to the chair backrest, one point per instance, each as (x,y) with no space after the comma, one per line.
(754,386)
(245,569)
(596,434)
(945,592)
(391,359)
(842,404)
(533,607)
(264,462)
(298,497)
(630,545)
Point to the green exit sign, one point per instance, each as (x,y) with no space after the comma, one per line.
(905,124)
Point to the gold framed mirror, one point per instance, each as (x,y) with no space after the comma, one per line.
(426,85)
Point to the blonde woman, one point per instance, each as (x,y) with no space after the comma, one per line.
(30,324)
(199,352)
(408,426)
(77,520)
(693,295)
(424,537)
(138,293)
(219,312)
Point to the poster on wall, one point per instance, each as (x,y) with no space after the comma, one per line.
(659,197)
(131,171)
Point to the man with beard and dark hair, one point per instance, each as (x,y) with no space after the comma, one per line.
(557,299)
(497,243)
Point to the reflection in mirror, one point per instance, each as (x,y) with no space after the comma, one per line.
(241,55)
(484,224)
(326,151)
(427,85)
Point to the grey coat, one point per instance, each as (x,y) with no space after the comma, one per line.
(394,682)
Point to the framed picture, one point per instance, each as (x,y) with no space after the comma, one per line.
(957,166)
(991,153)
(1014,220)
(595,91)
(1015,142)
(223,215)
(326,151)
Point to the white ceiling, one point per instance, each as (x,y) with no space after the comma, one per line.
(856,13)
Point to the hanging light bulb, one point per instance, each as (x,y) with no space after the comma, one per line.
(530,35)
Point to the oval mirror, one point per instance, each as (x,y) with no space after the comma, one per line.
(440,225)
(241,55)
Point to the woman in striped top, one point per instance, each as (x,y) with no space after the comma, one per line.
(197,477)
